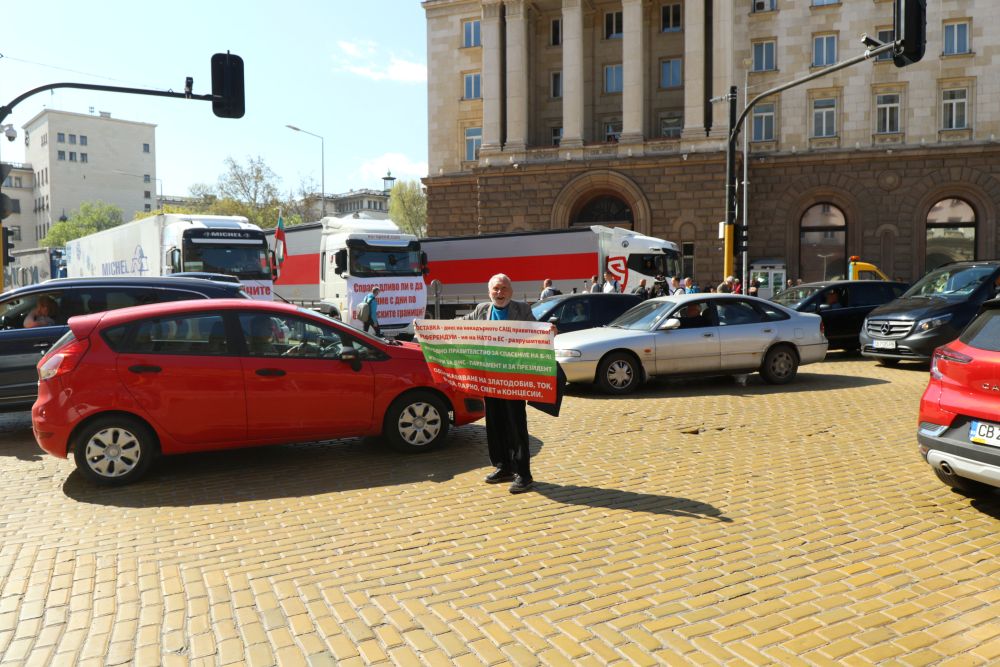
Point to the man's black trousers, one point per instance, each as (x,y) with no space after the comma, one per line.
(507,435)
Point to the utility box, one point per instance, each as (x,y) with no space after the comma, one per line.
(770,275)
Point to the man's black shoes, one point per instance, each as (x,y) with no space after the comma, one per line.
(499,475)
(521,484)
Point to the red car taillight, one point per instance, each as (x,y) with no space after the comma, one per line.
(62,360)
(945,353)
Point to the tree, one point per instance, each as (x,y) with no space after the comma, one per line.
(408,207)
(91,217)
(250,190)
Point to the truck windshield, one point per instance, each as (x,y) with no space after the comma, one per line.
(247,262)
(666,264)
(369,262)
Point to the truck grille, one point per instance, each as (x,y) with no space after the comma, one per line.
(889,328)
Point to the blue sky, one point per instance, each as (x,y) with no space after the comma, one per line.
(352,71)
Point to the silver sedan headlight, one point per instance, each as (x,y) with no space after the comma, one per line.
(568,353)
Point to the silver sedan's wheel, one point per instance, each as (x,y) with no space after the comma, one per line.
(619,373)
(416,421)
(780,365)
(114,450)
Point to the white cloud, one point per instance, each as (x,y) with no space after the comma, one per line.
(401,166)
(365,59)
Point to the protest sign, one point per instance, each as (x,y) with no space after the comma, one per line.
(496,358)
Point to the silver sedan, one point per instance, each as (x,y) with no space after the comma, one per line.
(693,334)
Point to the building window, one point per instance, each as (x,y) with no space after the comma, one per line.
(83,139)
(17,182)
(763,5)
(83,157)
(887,113)
(61,137)
(146,178)
(470,34)
(885,36)
(822,242)
(612,25)
(824,50)
(556,85)
(951,233)
(555,32)
(72,156)
(613,130)
(954,102)
(556,135)
(61,155)
(763,56)
(670,73)
(825,117)
(45,139)
(146,194)
(687,259)
(821,3)
(473,140)
(72,139)
(671,124)
(472,86)
(956,38)
(147,208)
(763,122)
(145,148)
(670,18)
(612,78)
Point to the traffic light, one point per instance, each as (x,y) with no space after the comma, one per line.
(741,242)
(5,206)
(910,25)
(227,86)
(8,246)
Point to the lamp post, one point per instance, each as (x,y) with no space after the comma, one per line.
(322,167)
(388,181)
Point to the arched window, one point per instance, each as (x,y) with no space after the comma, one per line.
(951,233)
(605,210)
(822,243)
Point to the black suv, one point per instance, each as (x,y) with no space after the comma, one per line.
(931,313)
(843,305)
(572,312)
(26,334)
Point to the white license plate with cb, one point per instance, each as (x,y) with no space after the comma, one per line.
(985,433)
(883,344)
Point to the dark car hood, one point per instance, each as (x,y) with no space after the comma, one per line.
(915,307)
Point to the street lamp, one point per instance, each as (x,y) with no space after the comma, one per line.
(322,167)
(387,181)
(824,258)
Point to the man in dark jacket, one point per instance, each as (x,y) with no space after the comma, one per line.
(506,420)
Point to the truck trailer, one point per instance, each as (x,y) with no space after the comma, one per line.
(33,266)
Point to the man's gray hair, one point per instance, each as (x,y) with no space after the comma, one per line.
(500,277)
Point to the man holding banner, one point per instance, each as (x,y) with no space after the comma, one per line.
(509,358)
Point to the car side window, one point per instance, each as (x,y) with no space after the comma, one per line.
(294,337)
(574,310)
(695,315)
(42,309)
(769,313)
(202,334)
(862,294)
(609,309)
(736,312)
(896,291)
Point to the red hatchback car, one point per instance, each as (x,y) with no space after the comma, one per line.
(126,385)
(959,429)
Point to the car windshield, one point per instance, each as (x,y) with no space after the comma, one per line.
(539,308)
(643,316)
(950,281)
(794,296)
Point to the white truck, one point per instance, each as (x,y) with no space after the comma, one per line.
(165,244)
(570,257)
(33,266)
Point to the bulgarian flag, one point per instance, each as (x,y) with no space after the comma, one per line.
(279,240)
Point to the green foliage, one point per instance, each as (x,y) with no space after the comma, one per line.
(90,218)
(408,207)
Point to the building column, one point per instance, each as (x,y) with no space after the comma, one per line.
(572,73)
(694,69)
(492,76)
(723,36)
(517,75)
(633,73)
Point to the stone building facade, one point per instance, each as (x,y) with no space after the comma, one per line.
(552,113)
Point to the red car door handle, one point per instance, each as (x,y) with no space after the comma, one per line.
(145,369)
(270,372)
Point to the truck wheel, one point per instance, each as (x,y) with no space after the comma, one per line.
(963,485)
(780,365)
(415,422)
(619,373)
(115,450)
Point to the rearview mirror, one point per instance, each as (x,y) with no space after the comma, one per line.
(350,355)
(671,323)
(553,320)
(340,261)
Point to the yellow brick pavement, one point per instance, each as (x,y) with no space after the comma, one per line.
(700,522)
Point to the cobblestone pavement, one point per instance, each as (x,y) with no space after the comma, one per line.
(692,523)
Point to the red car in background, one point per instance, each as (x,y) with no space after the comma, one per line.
(124,386)
(959,429)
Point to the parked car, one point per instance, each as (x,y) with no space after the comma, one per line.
(959,427)
(843,305)
(930,314)
(124,386)
(572,312)
(693,334)
(21,347)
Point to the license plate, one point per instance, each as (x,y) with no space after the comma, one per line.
(884,344)
(985,433)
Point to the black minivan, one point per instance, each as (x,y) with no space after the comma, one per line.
(931,313)
(572,312)
(22,345)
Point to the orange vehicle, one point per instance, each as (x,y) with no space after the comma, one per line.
(858,270)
